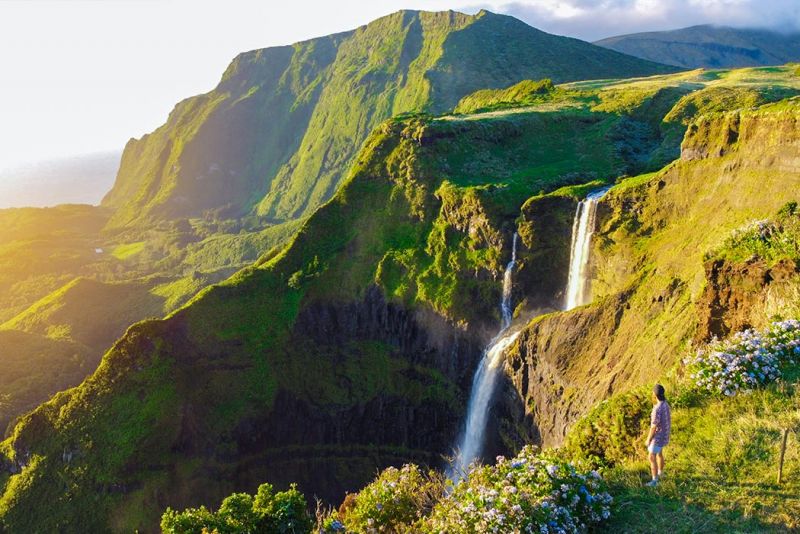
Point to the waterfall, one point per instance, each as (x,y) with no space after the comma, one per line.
(485,380)
(582,229)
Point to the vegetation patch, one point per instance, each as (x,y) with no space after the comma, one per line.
(128,250)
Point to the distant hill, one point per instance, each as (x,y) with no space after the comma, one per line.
(78,180)
(709,47)
(277,134)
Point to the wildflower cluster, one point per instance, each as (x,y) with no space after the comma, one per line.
(766,239)
(747,360)
(394,500)
(530,493)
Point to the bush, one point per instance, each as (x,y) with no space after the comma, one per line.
(392,503)
(748,360)
(280,513)
(530,493)
(770,240)
(608,434)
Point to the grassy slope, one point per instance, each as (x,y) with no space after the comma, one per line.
(721,470)
(41,248)
(81,310)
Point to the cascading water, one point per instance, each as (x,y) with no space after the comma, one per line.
(485,380)
(582,229)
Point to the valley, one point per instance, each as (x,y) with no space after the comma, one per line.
(389,247)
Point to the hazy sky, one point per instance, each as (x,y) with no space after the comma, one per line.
(79,76)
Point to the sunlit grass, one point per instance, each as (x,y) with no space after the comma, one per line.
(128,250)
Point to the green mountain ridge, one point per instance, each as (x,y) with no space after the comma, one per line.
(280,130)
(378,308)
(710,47)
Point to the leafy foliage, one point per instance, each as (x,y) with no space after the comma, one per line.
(393,502)
(770,240)
(608,433)
(265,512)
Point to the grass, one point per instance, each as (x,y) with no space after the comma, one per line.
(128,250)
(721,469)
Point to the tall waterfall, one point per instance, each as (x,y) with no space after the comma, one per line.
(485,380)
(580,249)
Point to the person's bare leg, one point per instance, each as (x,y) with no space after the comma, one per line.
(660,463)
(653,466)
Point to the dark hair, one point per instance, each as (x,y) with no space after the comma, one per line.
(658,391)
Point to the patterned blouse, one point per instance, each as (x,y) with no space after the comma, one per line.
(661,418)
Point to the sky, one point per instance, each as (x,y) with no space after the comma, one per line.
(84,76)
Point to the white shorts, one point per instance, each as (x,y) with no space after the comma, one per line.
(654,449)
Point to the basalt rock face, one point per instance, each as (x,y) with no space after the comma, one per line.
(743,295)
(547,367)
(330,448)
(546,232)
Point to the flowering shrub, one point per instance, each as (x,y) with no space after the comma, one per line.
(391,503)
(747,360)
(766,239)
(530,493)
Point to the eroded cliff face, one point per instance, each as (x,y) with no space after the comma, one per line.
(374,385)
(545,229)
(744,295)
(652,293)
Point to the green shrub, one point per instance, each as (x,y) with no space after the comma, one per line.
(608,434)
(391,503)
(279,513)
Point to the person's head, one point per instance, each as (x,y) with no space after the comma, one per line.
(658,392)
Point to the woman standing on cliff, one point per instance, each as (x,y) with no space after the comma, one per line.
(658,437)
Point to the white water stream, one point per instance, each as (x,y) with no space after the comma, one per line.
(577,293)
(485,380)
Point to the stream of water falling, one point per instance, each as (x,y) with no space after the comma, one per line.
(577,293)
(485,380)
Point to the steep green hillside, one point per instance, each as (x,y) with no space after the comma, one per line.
(79,311)
(33,367)
(282,127)
(710,47)
(377,311)
(62,278)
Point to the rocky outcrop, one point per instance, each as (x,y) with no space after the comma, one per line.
(742,295)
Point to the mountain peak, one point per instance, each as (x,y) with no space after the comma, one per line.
(261,141)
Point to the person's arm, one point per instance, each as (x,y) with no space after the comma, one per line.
(654,423)
(650,435)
